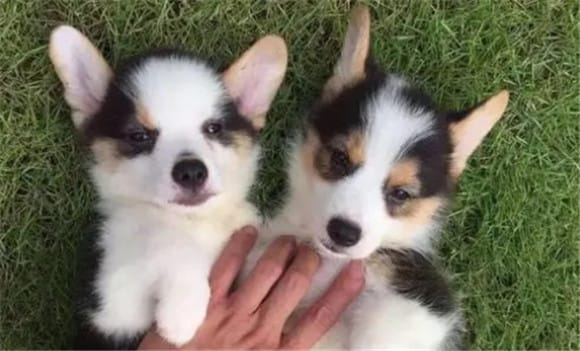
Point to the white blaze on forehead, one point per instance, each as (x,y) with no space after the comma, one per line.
(177,92)
(392,126)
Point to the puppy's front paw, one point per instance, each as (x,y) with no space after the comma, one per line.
(178,323)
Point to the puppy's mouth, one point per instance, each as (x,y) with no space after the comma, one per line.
(329,249)
(190,200)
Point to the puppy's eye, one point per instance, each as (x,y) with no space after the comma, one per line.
(139,137)
(339,159)
(213,128)
(398,196)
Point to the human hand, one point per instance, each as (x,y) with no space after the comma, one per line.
(253,316)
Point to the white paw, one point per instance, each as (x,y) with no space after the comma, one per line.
(178,325)
(179,317)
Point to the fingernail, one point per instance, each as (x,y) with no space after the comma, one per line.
(307,251)
(287,239)
(248,231)
(287,242)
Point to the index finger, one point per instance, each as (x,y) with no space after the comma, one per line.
(154,341)
(290,289)
(230,261)
(321,316)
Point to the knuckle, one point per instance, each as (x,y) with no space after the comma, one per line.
(281,244)
(270,267)
(231,306)
(313,257)
(260,337)
(322,316)
(352,286)
(308,259)
(216,285)
(292,343)
(298,280)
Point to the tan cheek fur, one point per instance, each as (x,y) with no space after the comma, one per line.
(106,153)
(420,212)
(243,145)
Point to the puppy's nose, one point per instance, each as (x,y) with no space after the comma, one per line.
(190,174)
(343,232)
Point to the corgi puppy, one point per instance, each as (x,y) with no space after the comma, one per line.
(371,178)
(174,146)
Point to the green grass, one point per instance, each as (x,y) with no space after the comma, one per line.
(512,240)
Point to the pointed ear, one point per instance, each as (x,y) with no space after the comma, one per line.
(255,77)
(350,67)
(468,129)
(82,70)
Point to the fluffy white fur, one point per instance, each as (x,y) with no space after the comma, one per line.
(156,253)
(380,318)
(156,264)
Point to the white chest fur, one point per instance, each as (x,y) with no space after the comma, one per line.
(155,267)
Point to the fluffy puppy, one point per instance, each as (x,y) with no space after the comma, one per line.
(371,178)
(174,153)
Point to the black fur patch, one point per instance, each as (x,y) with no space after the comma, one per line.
(86,301)
(117,118)
(234,123)
(416,277)
(334,120)
(117,121)
(432,154)
(344,112)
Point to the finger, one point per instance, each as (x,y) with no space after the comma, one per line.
(321,316)
(153,341)
(288,292)
(230,261)
(264,275)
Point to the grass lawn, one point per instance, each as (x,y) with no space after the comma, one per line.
(512,240)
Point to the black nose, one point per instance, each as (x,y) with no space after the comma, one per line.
(343,232)
(190,174)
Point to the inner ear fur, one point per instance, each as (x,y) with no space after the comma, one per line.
(351,65)
(467,129)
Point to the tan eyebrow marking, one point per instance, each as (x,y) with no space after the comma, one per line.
(144,117)
(405,173)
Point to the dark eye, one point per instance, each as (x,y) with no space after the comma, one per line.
(339,159)
(399,195)
(213,128)
(139,137)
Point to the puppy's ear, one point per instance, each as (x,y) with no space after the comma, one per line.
(351,65)
(468,128)
(82,70)
(253,80)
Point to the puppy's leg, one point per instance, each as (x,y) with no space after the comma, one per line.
(125,307)
(396,322)
(183,299)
